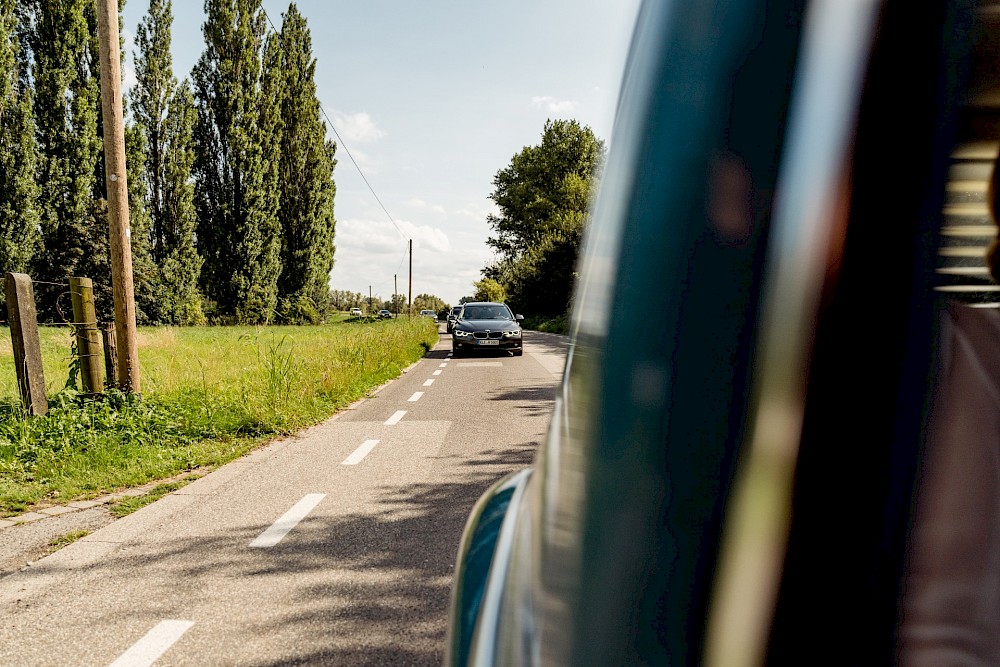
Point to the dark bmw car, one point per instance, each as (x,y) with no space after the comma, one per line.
(486,326)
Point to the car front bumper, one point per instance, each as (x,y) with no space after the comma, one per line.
(473,344)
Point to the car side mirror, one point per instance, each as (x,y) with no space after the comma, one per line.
(519,318)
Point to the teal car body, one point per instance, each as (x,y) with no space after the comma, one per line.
(704,466)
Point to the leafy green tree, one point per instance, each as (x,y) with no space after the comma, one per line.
(166,114)
(542,198)
(150,101)
(396,303)
(19,234)
(489,289)
(428,302)
(306,165)
(60,37)
(345,300)
(236,94)
(179,262)
(145,273)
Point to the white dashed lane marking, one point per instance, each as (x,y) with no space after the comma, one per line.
(416,397)
(155,643)
(288,520)
(428,383)
(443,365)
(437,372)
(360,453)
(394,419)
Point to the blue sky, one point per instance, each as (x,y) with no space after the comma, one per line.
(433,98)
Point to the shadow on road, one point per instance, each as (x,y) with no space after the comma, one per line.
(533,400)
(385,572)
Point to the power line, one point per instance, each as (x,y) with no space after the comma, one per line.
(343,143)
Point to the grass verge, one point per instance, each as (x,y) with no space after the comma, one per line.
(556,325)
(210,394)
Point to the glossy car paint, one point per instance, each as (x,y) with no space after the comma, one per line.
(470,334)
(615,541)
(631,483)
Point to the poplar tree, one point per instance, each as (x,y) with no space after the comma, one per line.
(305,180)
(164,111)
(236,167)
(180,264)
(59,34)
(19,234)
(145,273)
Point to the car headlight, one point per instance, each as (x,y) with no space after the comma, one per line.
(462,334)
(516,333)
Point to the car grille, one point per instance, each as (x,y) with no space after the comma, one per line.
(483,334)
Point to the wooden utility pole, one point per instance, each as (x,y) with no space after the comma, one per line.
(117,182)
(88,341)
(27,346)
(409,299)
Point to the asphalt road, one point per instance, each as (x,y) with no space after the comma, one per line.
(323,549)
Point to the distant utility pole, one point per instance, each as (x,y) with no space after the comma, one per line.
(370,308)
(117,182)
(409,300)
(395,290)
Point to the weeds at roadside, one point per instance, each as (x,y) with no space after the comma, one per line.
(130,504)
(66,540)
(209,396)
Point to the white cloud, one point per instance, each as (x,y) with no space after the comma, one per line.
(379,237)
(357,127)
(371,252)
(426,237)
(366,163)
(421,204)
(553,105)
(476,213)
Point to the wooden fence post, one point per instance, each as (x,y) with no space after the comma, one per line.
(27,347)
(87,339)
(110,354)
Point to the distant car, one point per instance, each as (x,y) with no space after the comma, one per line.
(429,313)
(356,312)
(486,326)
(456,312)
(384,314)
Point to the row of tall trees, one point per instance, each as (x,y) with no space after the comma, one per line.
(345,300)
(230,175)
(542,196)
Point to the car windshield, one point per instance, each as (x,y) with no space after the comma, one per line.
(486,313)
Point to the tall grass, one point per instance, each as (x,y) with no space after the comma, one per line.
(209,395)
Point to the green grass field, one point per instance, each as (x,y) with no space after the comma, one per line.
(209,395)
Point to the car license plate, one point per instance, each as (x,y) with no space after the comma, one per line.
(488,342)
